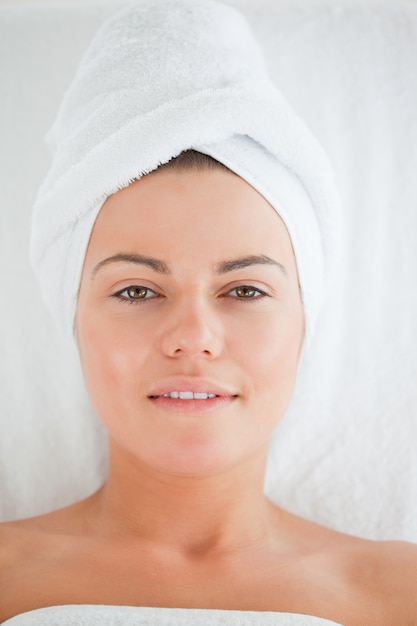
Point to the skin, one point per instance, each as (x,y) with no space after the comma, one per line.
(182,520)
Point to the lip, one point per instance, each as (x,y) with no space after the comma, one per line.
(192,407)
(196,385)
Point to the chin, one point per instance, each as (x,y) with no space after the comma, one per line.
(196,459)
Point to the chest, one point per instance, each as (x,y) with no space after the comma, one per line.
(88,574)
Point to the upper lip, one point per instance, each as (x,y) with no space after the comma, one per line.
(196,385)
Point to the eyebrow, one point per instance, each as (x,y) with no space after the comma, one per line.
(159,266)
(137,259)
(246,261)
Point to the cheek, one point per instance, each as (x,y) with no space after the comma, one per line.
(111,356)
(269,354)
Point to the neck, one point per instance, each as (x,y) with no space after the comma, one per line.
(221,512)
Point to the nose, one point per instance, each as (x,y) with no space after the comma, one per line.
(193,330)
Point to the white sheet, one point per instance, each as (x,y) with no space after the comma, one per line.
(344,455)
(88,615)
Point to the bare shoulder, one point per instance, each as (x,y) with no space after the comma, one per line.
(13,539)
(385,575)
(18,540)
(7,546)
(22,540)
(28,548)
(356,581)
(394,565)
(14,545)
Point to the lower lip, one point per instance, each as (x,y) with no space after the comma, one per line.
(193,407)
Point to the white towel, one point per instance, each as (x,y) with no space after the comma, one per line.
(157,79)
(89,615)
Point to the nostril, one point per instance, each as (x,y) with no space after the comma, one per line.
(189,339)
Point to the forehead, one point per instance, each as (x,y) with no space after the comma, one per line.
(189,214)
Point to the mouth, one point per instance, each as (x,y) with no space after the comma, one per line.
(190,402)
(187,395)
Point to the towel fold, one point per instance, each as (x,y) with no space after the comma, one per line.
(90,615)
(160,78)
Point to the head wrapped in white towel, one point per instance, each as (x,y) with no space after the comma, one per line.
(160,78)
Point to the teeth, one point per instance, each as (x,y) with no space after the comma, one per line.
(189,395)
(186,395)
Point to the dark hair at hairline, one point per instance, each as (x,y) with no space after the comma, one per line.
(193,160)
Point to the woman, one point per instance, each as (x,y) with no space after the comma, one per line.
(191,291)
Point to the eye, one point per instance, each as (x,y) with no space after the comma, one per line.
(247,292)
(134,294)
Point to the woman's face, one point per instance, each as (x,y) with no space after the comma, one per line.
(189,285)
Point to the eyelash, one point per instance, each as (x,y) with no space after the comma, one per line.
(136,301)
